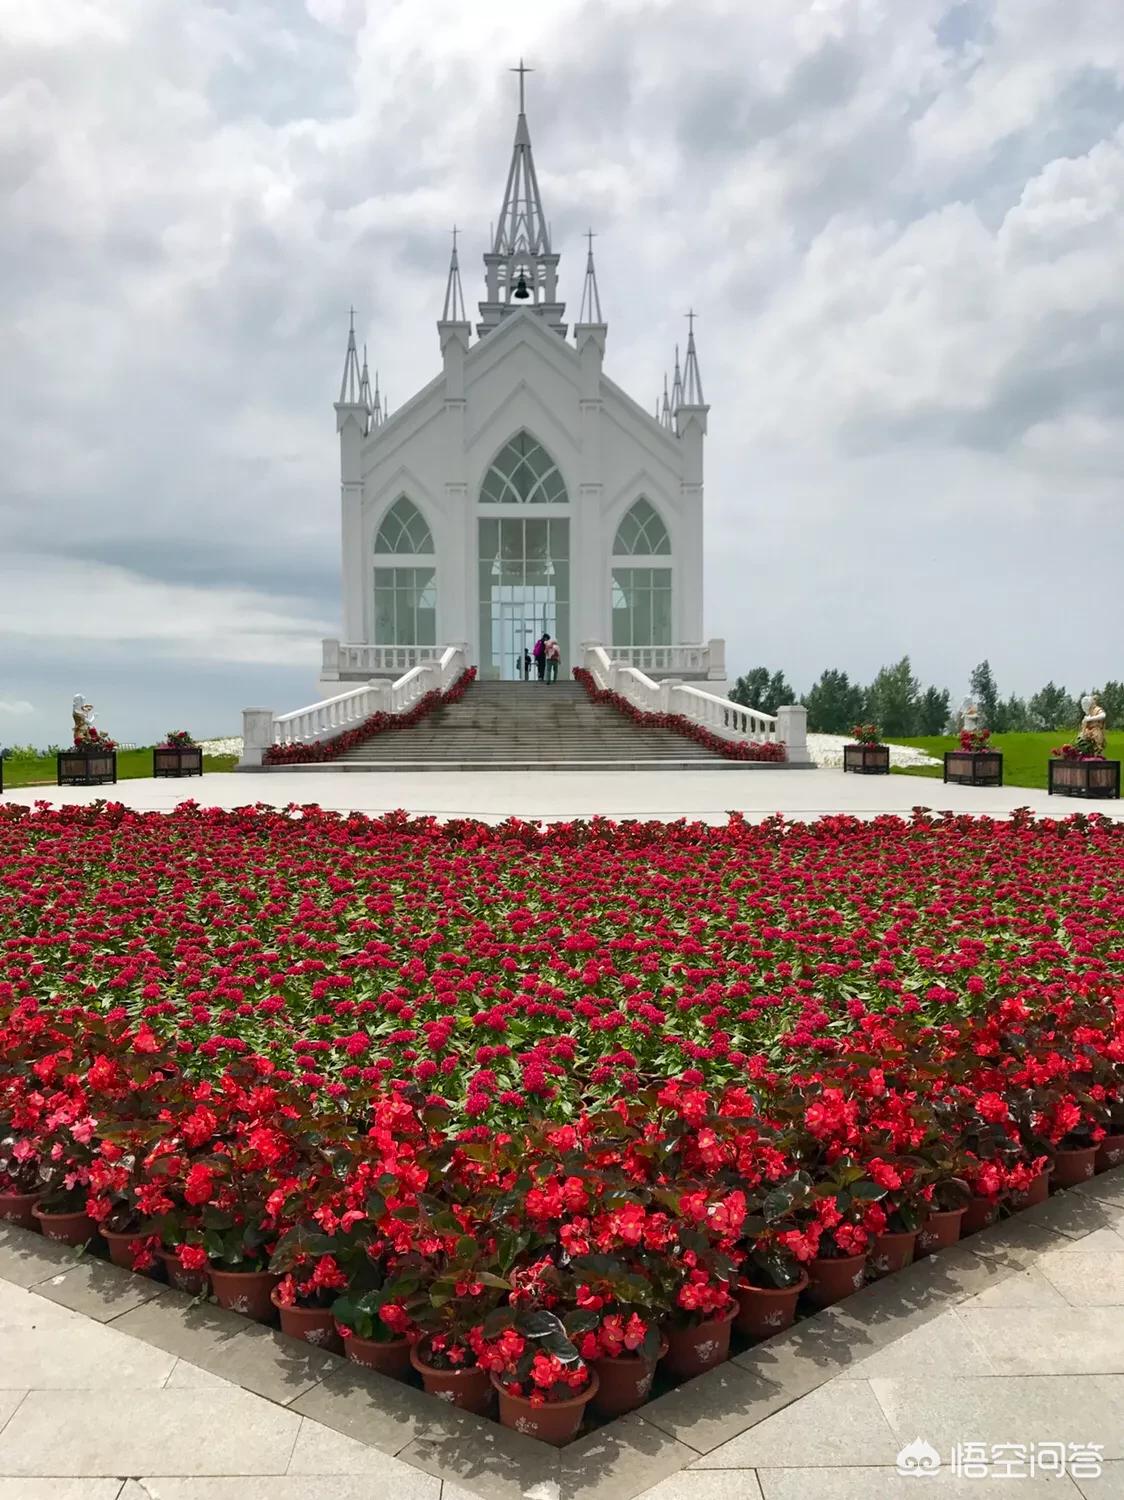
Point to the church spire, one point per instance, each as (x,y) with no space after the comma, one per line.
(454,298)
(591,297)
(376,405)
(521,268)
(350,385)
(676,385)
(365,388)
(692,380)
(665,409)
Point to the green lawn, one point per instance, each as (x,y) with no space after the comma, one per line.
(130,765)
(1024,755)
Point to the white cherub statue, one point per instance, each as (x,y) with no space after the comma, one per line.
(83,715)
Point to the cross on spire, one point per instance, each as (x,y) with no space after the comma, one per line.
(591,298)
(522,71)
(690,315)
(692,380)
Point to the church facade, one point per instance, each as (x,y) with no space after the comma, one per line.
(521,490)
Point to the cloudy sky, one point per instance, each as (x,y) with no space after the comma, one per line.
(902,223)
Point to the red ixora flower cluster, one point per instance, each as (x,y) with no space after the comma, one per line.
(94,739)
(975,739)
(1082,749)
(380,723)
(177,739)
(528,1095)
(865,734)
(767,750)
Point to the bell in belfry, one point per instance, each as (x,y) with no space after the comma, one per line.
(521,293)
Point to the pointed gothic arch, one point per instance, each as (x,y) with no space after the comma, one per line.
(641,595)
(642,532)
(405,578)
(523,473)
(404,529)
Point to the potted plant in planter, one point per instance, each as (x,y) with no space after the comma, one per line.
(460,1291)
(543,1383)
(867,756)
(376,1328)
(179,755)
(614,1320)
(770,1280)
(976,763)
(19,1180)
(311,1281)
(1080,770)
(92,761)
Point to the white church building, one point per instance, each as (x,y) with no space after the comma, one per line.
(521,490)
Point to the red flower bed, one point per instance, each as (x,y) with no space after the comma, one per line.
(380,723)
(545,1097)
(769,750)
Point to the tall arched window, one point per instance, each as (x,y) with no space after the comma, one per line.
(405,578)
(523,473)
(642,595)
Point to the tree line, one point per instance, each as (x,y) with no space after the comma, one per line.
(898,704)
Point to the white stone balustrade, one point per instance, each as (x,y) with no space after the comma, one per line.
(343,660)
(704,661)
(723,717)
(261,727)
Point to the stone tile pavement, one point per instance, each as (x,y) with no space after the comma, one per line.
(112,1388)
(706,795)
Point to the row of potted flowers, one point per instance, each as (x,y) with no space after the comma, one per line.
(763,750)
(546,1367)
(374,724)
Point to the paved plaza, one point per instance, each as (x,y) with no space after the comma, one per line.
(707,795)
(112,1388)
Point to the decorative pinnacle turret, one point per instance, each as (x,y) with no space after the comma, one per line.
(377,412)
(591,298)
(522,227)
(692,380)
(453,311)
(365,388)
(676,385)
(351,393)
(665,409)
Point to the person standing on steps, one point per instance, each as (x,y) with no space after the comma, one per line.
(540,655)
(553,657)
(525,665)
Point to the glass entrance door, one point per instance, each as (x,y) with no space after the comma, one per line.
(524,579)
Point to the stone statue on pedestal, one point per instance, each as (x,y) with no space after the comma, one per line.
(83,716)
(1093,723)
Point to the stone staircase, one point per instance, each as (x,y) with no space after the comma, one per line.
(517,726)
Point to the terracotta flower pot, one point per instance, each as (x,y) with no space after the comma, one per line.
(940,1230)
(1110,1153)
(979,1214)
(194,1283)
(312,1325)
(392,1358)
(554,1422)
(1037,1192)
(68,1229)
(833,1277)
(1074,1166)
(690,1351)
(15,1208)
(624,1381)
(118,1242)
(245,1292)
(470,1389)
(765,1310)
(892,1251)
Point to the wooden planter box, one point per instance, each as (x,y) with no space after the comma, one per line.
(86,767)
(185,761)
(974,767)
(867,760)
(1084,778)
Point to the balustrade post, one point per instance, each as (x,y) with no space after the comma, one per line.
(667,695)
(716,661)
(331,659)
(257,735)
(792,728)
